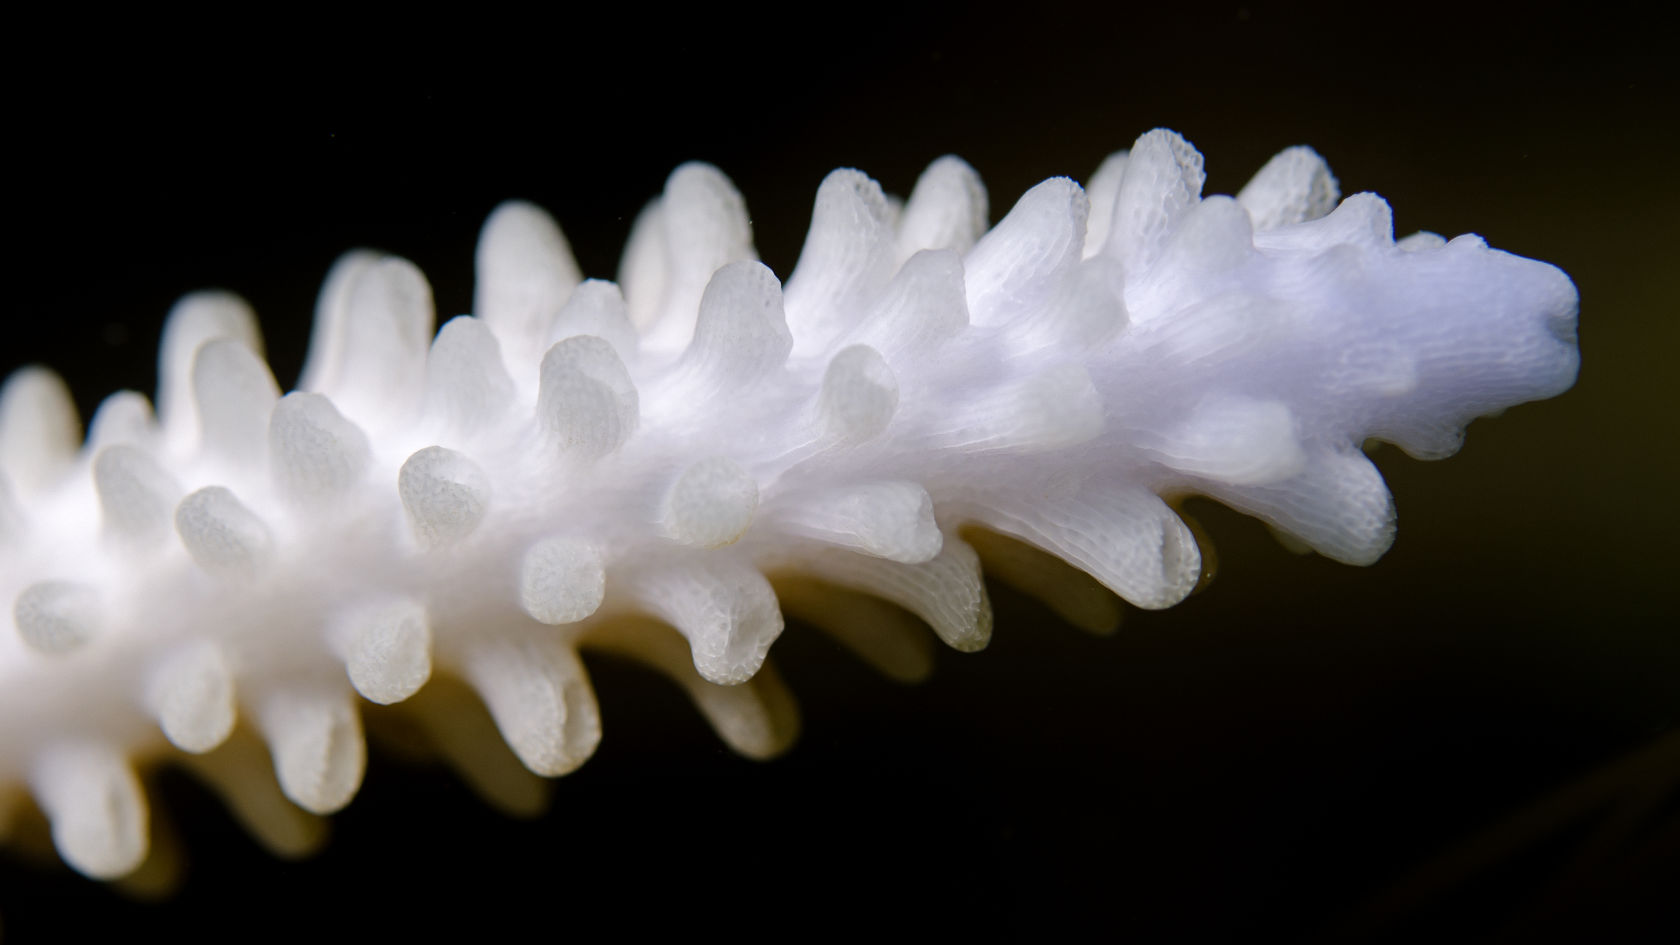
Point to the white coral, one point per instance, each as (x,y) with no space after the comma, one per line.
(579,467)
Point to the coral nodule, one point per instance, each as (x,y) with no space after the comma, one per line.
(661,467)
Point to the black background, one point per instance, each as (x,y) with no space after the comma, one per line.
(1286,754)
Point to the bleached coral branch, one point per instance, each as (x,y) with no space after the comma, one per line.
(578,466)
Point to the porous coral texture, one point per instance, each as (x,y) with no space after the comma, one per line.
(660,467)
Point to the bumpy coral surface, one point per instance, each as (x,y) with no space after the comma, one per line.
(661,467)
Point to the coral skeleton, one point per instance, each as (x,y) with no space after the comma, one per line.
(659,468)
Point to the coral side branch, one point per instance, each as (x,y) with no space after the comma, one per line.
(441,519)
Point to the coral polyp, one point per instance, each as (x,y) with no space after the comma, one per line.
(660,468)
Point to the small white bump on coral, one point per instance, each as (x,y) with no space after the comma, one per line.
(892,520)
(387,650)
(658,468)
(137,496)
(191,694)
(710,504)
(222,535)
(315,733)
(540,697)
(561,580)
(57,616)
(444,493)
(587,401)
(99,817)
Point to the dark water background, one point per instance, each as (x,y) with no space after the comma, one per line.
(1266,760)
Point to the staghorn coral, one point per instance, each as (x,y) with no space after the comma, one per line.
(582,468)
